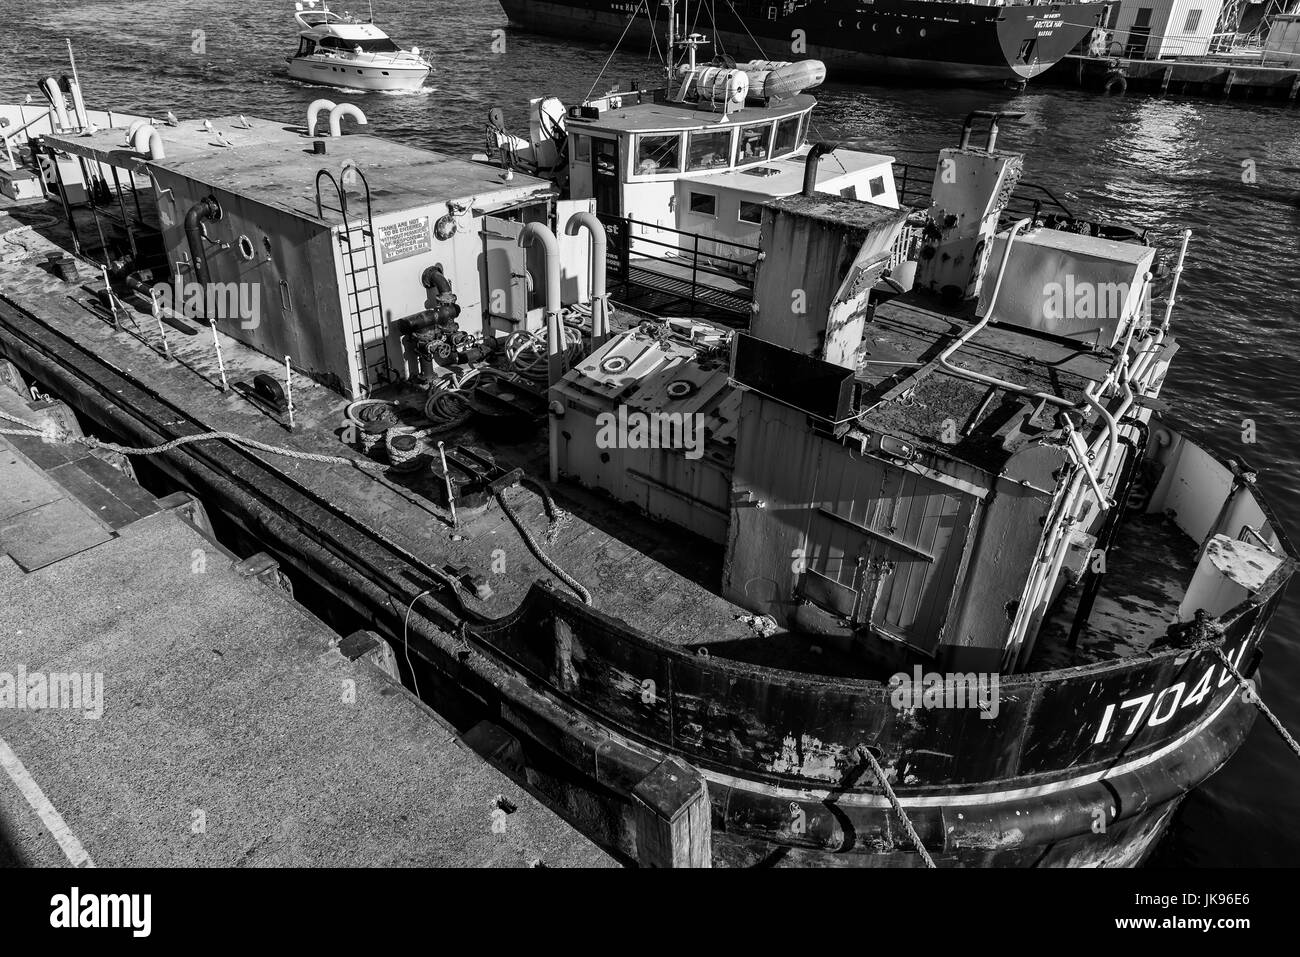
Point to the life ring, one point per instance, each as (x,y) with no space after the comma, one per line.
(1113,80)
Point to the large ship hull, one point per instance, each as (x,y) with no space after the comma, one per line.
(911,40)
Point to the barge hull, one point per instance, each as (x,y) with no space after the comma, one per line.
(898,40)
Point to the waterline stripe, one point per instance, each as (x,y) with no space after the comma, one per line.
(50,817)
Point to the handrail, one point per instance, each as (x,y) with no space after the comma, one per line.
(682,232)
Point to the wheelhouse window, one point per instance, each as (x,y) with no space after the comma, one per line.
(581,148)
(658,153)
(787,136)
(751,213)
(709,150)
(755,143)
(384,45)
(706,204)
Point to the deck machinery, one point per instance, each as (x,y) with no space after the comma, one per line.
(965,478)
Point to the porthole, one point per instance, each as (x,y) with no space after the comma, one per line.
(246,250)
(922,31)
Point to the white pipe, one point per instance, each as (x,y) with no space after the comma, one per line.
(342,110)
(536,232)
(51,86)
(79,105)
(149,140)
(975,329)
(314,111)
(599,298)
(133,129)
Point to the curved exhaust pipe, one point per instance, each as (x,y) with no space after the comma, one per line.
(537,233)
(148,140)
(314,111)
(599,299)
(342,110)
(992,116)
(204,210)
(50,87)
(133,129)
(820,149)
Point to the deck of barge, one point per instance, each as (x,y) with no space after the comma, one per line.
(637,570)
(235,731)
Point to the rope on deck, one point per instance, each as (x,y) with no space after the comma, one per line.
(898,808)
(34,430)
(1253,698)
(536,549)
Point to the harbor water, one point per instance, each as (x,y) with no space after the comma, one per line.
(1228,171)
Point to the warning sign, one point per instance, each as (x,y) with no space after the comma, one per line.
(402,240)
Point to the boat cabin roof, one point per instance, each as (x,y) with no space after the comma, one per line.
(784,176)
(666,117)
(401,177)
(187,140)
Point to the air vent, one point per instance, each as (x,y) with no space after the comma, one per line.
(761,171)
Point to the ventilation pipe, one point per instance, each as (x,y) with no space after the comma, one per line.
(50,87)
(148,140)
(342,110)
(992,116)
(536,232)
(820,149)
(599,300)
(133,129)
(204,210)
(78,104)
(314,111)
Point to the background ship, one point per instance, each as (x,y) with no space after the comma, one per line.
(888,39)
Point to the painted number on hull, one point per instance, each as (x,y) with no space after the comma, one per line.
(1156,709)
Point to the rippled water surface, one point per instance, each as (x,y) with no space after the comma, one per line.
(1163,164)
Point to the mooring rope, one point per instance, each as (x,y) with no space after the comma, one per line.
(1253,697)
(537,551)
(898,808)
(33,430)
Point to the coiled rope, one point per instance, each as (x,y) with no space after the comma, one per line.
(898,808)
(1255,699)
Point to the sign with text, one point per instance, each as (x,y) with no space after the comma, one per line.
(404,239)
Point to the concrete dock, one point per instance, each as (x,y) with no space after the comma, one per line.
(182,710)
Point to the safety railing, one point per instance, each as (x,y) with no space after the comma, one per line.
(702,275)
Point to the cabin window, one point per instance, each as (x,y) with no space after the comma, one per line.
(787,136)
(1193,21)
(658,153)
(709,150)
(877,186)
(581,148)
(755,143)
(383,45)
(751,212)
(305,47)
(706,204)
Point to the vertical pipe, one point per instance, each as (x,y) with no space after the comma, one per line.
(531,233)
(599,267)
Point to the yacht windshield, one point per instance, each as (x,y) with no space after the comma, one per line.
(367,46)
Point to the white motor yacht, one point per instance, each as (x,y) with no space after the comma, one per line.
(339,49)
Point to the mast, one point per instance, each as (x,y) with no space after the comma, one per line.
(672,30)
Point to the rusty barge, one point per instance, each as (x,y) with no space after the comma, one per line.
(932,582)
